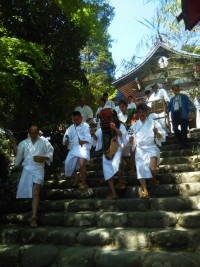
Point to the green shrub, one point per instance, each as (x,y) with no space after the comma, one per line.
(6,187)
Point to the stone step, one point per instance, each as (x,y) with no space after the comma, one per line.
(190,167)
(194,130)
(177,153)
(164,178)
(163,154)
(163,190)
(138,219)
(172,147)
(180,160)
(51,255)
(192,137)
(163,161)
(128,238)
(74,205)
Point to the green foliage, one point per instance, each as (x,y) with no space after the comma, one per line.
(93,16)
(21,58)
(44,70)
(6,192)
(165,28)
(43,46)
(96,59)
(99,68)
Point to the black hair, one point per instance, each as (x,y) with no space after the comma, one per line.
(102,99)
(122,101)
(76,113)
(142,106)
(155,84)
(105,94)
(175,86)
(147,92)
(33,125)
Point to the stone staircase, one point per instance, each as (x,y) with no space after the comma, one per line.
(83,229)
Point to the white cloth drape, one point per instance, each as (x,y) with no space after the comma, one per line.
(145,147)
(33,172)
(74,133)
(110,167)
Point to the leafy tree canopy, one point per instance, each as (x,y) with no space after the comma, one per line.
(44,67)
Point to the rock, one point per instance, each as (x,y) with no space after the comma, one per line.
(169,204)
(111,219)
(80,219)
(9,255)
(38,255)
(80,205)
(151,219)
(190,220)
(9,235)
(63,236)
(131,238)
(117,258)
(190,189)
(133,204)
(170,239)
(76,257)
(165,259)
(95,237)
(53,218)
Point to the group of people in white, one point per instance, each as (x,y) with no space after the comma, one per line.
(141,141)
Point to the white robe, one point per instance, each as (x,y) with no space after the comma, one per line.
(145,147)
(73,134)
(110,103)
(131,105)
(126,149)
(160,94)
(110,167)
(33,172)
(117,109)
(97,117)
(197,105)
(122,117)
(86,112)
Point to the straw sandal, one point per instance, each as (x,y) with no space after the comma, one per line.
(83,186)
(34,222)
(145,195)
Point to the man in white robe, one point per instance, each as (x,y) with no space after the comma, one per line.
(126,148)
(86,111)
(109,103)
(33,152)
(147,136)
(197,105)
(101,106)
(79,141)
(131,104)
(157,95)
(117,108)
(111,166)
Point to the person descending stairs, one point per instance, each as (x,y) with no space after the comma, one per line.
(83,228)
